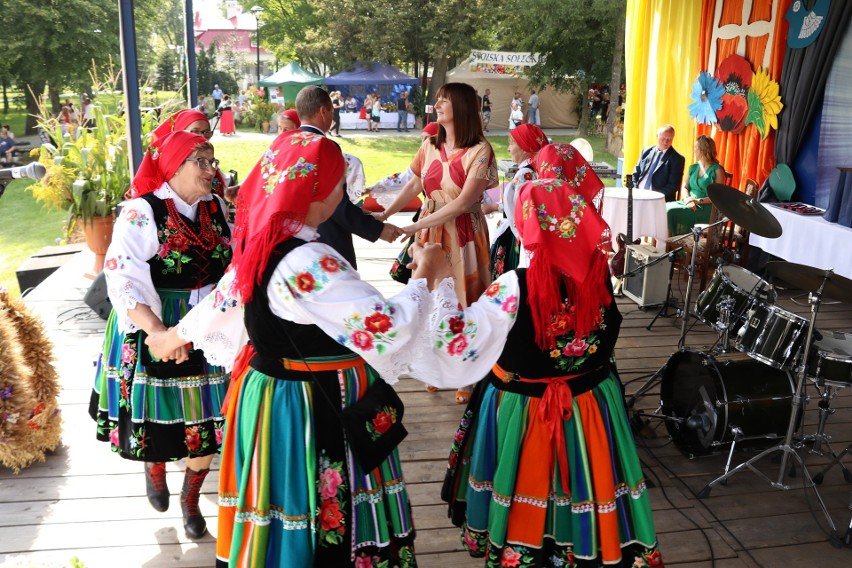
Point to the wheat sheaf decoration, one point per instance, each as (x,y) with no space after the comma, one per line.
(30,424)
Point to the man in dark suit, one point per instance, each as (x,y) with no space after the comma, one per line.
(660,167)
(313,104)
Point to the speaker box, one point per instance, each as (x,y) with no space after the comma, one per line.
(97,298)
(647,287)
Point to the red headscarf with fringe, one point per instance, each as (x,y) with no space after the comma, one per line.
(298,169)
(529,137)
(163,159)
(179,121)
(564,161)
(569,242)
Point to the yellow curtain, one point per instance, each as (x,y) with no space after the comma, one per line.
(661,62)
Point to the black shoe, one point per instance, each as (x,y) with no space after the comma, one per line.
(193,522)
(155,486)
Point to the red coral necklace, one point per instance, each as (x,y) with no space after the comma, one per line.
(206,239)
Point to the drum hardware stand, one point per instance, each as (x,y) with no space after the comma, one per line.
(847,540)
(838,459)
(726,306)
(786,449)
(664,309)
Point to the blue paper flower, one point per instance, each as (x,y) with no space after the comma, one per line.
(707,98)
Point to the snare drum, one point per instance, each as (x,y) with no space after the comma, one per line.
(736,283)
(706,398)
(831,359)
(772,335)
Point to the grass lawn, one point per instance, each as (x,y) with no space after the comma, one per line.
(26,227)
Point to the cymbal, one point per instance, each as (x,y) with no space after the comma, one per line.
(744,210)
(810,279)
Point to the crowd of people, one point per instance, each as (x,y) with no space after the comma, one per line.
(260,340)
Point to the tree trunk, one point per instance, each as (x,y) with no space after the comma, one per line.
(439,77)
(614,143)
(5,98)
(53,95)
(32,92)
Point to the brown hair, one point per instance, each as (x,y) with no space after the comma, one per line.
(310,100)
(466,120)
(706,146)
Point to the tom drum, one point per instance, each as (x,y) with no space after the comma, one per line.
(742,286)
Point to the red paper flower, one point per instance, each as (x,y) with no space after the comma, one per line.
(377,323)
(733,113)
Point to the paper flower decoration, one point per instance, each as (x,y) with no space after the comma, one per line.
(764,103)
(707,98)
(735,74)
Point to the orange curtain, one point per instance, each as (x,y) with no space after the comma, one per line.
(744,155)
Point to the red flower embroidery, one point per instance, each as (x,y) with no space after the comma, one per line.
(213,206)
(329,264)
(528,176)
(456,324)
(178,242)
(305,282)
(362,340)
(510,558)
(377,323)
(457,345)
(493,290)
(330,515)
(382,422)
(193,439)
(654,559)
(110,264)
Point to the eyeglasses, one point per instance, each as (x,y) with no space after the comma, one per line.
(206,133)
(205,163)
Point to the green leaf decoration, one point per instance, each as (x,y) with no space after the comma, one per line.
(755,113)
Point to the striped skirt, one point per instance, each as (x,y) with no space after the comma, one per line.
(155,419)
(290,492)
(505,488)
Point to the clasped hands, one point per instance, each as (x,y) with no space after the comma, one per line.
(165,345)
(429,261)
(391,232)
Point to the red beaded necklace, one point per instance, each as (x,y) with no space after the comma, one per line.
(206,239)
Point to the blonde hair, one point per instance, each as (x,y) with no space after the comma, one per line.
(705,146)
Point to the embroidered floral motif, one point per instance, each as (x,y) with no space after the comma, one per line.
(571,352)
(499,261)
(222,302)
(314,277)
(196,439)
(566,226)
(332,489)
(303,138)
(497,293)
(649,558)
(381,423)
(374,331)
(300,169)
(116,263)
(175,248)
(454,335)
(268,172)
(135,218)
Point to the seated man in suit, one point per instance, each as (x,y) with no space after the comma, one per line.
(660,167)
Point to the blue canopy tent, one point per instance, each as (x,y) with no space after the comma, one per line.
(379,78)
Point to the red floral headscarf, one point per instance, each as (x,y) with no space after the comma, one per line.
(564,161)
(569,242)
(163,159)
(529,137)
(293,116)
(298,169)
(179,121)
(431,129)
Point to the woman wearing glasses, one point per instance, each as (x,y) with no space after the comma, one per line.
(169,247)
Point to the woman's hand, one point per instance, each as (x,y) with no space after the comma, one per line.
(408,231)
(166,345)
(379,216)
(430,261)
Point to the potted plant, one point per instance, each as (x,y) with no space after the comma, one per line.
(263,111)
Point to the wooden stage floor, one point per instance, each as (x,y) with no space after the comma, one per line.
(87,504)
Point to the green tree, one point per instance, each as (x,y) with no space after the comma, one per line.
(56,41)
(575,42)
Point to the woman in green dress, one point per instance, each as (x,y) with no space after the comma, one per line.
(695,206)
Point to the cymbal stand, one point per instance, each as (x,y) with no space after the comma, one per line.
(786,449)
(696,236)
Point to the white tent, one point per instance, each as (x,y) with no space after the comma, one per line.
(556,110)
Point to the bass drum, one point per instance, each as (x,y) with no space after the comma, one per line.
(706,398)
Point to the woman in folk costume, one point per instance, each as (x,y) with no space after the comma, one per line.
(190,120)
(170,245)
(506,253)
(291,491)
(543,470)
(564,161)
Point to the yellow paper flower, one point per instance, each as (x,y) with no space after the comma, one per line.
(764,102)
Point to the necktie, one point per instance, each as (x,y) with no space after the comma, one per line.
(646,183)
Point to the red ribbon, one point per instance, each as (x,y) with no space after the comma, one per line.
(557,405)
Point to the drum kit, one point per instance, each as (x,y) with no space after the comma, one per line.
(757,392)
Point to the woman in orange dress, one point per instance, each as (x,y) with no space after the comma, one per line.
(454,168)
